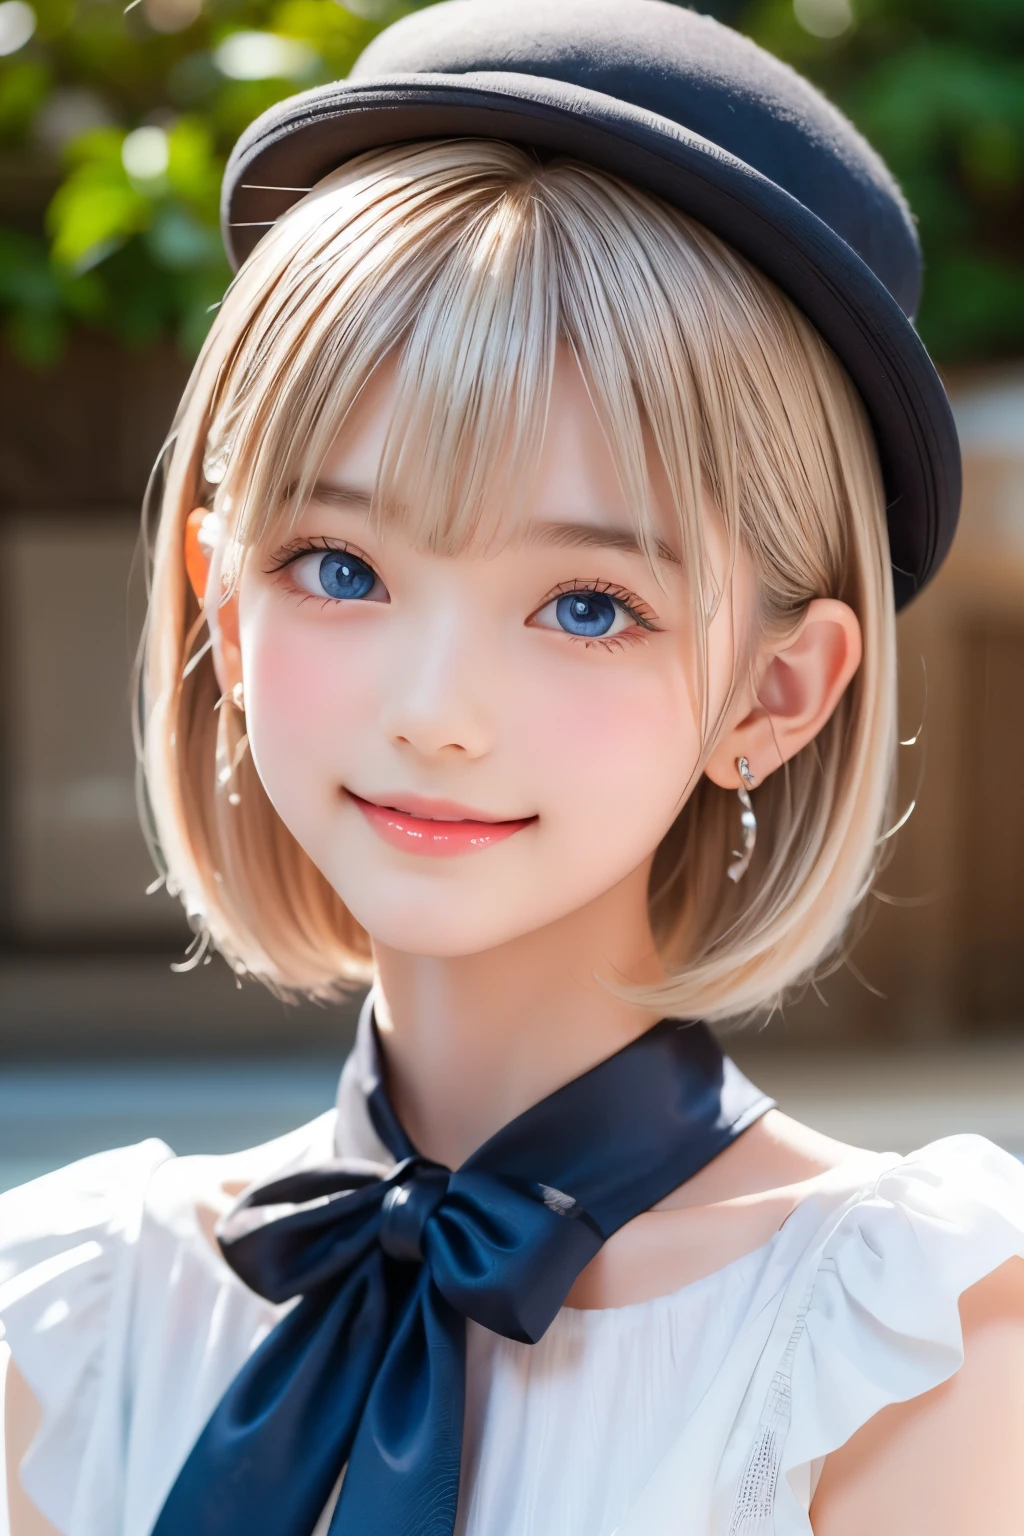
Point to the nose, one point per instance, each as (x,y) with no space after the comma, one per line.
(437,702)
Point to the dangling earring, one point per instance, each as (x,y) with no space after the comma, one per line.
(235,696)
(230,753)
(748,824)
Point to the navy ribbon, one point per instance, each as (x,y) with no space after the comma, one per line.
(367,1371)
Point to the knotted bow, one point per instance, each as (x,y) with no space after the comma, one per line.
(368,1369)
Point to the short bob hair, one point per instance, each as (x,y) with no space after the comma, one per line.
(470,261)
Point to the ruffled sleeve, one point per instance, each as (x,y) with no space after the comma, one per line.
(66,1249)
(881,1324)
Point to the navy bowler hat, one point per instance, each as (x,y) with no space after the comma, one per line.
(686,108)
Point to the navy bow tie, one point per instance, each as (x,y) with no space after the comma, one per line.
(367,1371)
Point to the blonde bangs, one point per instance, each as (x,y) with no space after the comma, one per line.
(470,262)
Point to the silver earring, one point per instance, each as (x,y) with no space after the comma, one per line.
(748,824)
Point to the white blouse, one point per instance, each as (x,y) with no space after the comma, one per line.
(707,1412)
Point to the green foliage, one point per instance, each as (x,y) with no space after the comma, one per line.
(38,298)
(24,84)
(937,86)
(129,240)
(151,240)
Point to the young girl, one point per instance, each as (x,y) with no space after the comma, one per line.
(522,640)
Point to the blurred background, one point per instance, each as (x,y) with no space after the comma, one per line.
(114,126)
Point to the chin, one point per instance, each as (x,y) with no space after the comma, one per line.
(441,929)
(439,936)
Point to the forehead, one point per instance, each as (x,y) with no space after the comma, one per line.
(574,496)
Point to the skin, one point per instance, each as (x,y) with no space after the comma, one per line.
(452,680)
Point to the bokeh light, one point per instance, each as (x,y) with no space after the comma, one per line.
(263,56)
(17,24)
(145,154)
(171,15)
(824,18)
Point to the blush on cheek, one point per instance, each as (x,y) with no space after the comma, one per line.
(292,684)
(625,732)
(613,757)
(305,693)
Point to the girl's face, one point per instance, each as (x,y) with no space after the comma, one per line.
(471,747)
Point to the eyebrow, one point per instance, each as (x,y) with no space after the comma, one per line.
(559,535)
(341,496)
(595,536)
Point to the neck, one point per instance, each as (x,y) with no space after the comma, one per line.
(470,1041)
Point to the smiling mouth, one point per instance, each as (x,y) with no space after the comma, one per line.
(438,828)
(425,808)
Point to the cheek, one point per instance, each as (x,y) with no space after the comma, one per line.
(625,737)
(306,699)
(285,683)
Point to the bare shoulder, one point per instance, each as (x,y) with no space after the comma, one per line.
(776,1153)
(731,1207)
(945,1463)
(20,1420)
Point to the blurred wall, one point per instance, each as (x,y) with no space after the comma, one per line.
(945,945)
(86,955)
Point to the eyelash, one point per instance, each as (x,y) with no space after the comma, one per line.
(296,548)
(637,609)
(634,606)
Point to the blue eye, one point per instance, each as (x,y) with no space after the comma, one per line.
(337,574)
(343,575)
(585,613)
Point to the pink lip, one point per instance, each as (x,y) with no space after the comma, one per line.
(420,826)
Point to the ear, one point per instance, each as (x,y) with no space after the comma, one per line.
(800,684)
(204,552)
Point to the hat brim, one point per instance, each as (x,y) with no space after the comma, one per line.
(300,140)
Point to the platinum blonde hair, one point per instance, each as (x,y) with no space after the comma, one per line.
(471,261)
